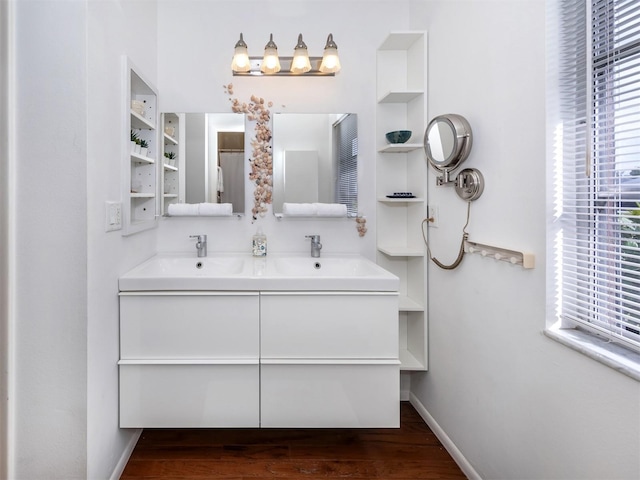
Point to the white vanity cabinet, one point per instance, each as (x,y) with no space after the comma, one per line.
(189,359)
(329,359)
(259,358)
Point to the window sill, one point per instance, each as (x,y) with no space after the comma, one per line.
(612,355)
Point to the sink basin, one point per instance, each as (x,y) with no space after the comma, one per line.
(185,272)
(329,272)
(187,266)
(279,272)
(326,267)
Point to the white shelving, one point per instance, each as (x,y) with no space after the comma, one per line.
(400,147)
(139,170)
(401,92)
(171,183)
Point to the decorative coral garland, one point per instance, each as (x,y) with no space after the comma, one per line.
(261,160)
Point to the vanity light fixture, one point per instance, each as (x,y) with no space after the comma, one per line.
(301,64)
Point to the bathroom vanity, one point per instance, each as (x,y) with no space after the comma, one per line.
(237,341)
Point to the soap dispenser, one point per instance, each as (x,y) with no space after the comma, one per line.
(259,244)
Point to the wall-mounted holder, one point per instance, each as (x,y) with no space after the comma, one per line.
(514,257)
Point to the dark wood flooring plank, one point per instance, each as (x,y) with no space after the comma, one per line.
(410,452)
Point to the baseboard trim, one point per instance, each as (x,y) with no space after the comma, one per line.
(447,443)
(126,454)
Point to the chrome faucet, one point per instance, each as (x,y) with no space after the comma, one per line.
(316,246)
(201,244)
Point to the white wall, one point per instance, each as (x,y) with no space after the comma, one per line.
(195,46)
(517,404)
(49,397)
(114,28)
(6,165)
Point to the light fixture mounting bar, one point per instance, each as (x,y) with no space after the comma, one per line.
(285,62)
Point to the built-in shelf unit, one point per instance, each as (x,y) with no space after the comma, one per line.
(140,168)
(402,105)
(172,186)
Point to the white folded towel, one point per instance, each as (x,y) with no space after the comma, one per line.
(330,209)
(299,209)
(182,209)
(215,209)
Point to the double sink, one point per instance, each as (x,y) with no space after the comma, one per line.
(244,272)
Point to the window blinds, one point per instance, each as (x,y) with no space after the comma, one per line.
(594,104)
(346,135)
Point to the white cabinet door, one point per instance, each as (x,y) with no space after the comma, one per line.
(189,395)
(329,325)
(329,359)
(213,326)
(189,360)
(341,395)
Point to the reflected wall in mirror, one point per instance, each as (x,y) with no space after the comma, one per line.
(315,160)
(204,162)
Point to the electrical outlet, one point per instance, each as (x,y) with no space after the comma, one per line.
(434,216)
(113,216)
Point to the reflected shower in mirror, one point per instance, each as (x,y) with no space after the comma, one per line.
(315,161)
(209,163)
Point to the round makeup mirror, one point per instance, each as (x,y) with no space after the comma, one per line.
(447,142)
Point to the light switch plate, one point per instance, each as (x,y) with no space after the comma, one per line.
(113,216)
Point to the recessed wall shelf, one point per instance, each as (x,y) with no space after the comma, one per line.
(169,140)
(139,208)
(138,121)
(172,183)
(136,157)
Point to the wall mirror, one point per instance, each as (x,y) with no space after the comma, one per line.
(315,160)
(204,161)
(447,143)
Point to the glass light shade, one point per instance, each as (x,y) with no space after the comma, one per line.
(270,61)
(300,62)
(330,60)
(240,62)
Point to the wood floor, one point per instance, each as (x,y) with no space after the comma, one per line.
(410,452)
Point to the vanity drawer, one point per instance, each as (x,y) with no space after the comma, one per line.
(329,325)
(165,326)
(325,395)
(189,395)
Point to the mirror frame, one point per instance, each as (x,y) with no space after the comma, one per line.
(462,142)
